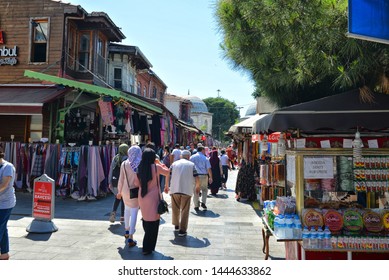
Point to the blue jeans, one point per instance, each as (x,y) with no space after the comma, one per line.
(4,241)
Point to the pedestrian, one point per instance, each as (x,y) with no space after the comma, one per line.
(216,169)
(7,202)
(203,167)
(231,157)
(149,197)
(128,189)
(224,161)
(175,154)
(166,162)
(113,179)
(183,183)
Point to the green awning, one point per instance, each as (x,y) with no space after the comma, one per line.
(92,89)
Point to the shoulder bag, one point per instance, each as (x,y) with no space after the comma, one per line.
(134,192)
(162,205)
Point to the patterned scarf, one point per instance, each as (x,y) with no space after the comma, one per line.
(134,157)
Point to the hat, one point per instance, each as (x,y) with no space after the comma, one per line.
(185,153)
(200,145)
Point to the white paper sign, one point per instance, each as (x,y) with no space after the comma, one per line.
(291,169)
(373,143)
(318,168)
(300,143)
(347,143)
(325,144)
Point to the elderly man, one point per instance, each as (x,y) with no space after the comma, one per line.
(182,184)
(203,167)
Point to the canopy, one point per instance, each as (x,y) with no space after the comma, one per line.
(341,112)
(247,123)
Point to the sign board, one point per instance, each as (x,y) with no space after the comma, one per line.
(369,20)
(318,168)
(291,169)
(43,199)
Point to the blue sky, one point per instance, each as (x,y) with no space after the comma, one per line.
(180,39)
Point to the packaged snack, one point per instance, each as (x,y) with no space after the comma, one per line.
(372,221)
(334,220)
(352,222)
(385,220)
(312,218)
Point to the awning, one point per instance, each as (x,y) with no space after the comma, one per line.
(188,126)
(92,89)
(26,100)
(246,125)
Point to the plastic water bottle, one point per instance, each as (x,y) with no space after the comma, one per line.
(320,238)
(306,235)
(297,231)
(281,227)
(288,227)
(327,238)
(313,238)
(276,225)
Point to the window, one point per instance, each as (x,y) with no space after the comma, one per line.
(101,57)
(84,52)
(39,40)
(154,93)
(117,78)
(139,86)
(71,54)
(144,91)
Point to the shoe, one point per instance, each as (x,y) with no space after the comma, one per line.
(4,257)
(182,233)
(176,228)
(126,234)
(197,209)
(112,217)
(82,198)
(91,197)
(131,243)
(203,206)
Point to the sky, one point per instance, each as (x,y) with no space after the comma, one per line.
(181,40)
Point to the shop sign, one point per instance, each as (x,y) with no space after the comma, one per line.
(43,200)
(8,56)
(272,138)
(318,168)
(255,137)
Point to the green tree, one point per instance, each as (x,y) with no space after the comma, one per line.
(225,114)
(297,50)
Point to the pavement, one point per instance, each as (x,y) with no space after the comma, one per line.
(228,230)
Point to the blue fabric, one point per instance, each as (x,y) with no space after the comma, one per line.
(369,18)
(4,241)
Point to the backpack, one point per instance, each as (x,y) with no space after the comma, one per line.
(115,175)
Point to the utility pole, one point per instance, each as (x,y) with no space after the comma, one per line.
(218,93)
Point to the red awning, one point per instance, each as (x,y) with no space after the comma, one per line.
(26,100)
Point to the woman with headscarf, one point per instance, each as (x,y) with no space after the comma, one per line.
(113,179)
(216,169)
(127,190)
(149,197)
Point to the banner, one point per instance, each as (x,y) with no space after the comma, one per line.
(106,112)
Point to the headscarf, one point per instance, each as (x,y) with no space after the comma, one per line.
(134,157)
(122,152)
(214,159)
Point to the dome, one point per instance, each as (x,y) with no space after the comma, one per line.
(198,104)
(251,110)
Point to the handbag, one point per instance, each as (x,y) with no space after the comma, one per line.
(163,207)
(134,192)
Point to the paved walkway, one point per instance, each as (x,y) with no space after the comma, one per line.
(229,230)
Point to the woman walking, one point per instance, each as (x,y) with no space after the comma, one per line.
(128,187)
(7,202)
(216,169)
(149,196)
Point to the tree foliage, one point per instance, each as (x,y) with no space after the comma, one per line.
(225,114)
(297,50)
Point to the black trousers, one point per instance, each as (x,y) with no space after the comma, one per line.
(151,235)
(116,206)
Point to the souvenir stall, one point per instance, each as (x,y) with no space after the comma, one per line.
(337,174)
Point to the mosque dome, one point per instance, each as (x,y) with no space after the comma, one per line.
(251,110)
(198,104)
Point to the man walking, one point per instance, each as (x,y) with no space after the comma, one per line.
(182,186)
(203,167)
(225,162)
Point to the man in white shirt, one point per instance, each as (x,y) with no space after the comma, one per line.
(182,186)
(225,163)
(175,154)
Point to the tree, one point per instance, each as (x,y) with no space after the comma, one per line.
(225,114)
(297,50)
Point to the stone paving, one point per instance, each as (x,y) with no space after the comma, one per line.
(228,230)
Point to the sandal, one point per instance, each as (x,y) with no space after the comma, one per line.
(131,243)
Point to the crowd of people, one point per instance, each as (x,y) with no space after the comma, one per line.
(187,174)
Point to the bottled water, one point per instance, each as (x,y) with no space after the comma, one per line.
(306,236)
(297,231)
(327,238)
(313,238)
(288,227)
(276,225)
(281,227)
(320,238)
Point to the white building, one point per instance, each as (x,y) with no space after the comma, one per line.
(200,116)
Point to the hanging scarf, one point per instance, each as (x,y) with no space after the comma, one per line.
(134,157)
